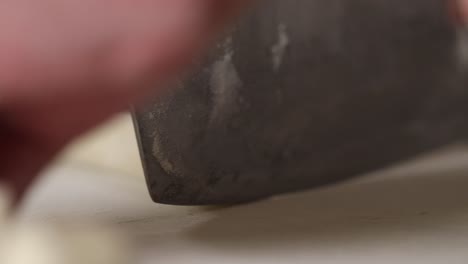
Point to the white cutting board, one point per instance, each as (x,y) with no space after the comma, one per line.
(417,213)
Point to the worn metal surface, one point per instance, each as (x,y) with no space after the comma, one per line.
(305,93)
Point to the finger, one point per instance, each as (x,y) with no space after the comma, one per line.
(22,158)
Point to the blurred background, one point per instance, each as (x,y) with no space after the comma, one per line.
(416,212)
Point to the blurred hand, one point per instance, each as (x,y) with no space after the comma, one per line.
(66,65)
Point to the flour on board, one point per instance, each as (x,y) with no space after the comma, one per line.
(225,83)
(279,48)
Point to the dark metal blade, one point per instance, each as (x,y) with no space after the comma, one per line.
(305,93)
